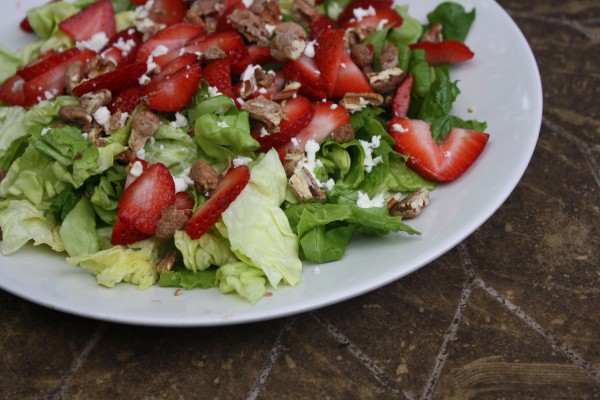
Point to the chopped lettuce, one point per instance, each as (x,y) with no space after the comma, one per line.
(248,281)
(188,279)
(199,254)
(78,230)
(455,20)
(171,146)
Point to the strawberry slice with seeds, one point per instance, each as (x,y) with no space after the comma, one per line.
(178,63)
(440,162)
(321,23)
(173,37)
(305,71)
(444,52)
(350,79)
(45,64)
(167,12)
(328,56)
(141,204)
(12,92)
(228,189)
(183,201)
(115,81)
(401,101)
(218,74)
(127,100)
(25,25)
(230,42)
(124,234)
(328,116)
(375,18)
(348,12)
(122,48)
(173,92)
(97,17)
(297,113)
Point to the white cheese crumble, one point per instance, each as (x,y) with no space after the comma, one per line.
(309,51)
(370,162)
(102,117)
(136,169)
(95,43)
(248,3)
(123,118)
(310,162)
(264,132)
(222,124)
(45,130)
(333,106)
(381,24)
(361,13)
(447,154)
(180,121)
(124,46)
(270,28)
(398,128)
(329,184)
(144,79)
(213,91)
(241,160)
(365,202)
(183,181)
(141,154)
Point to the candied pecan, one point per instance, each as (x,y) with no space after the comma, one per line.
(354,102)
(287,46)
(99,66)
(290,27)
(387,80)
(264,110)
(409,206)
(92,101)
(73,75)
(143,126)
(267,10)
(361,55)
(250,26)
(433,34)
(213,53)
(342,134)
(289,90)
(264,78)
(115,120)
(205,7)
(171,220)
(388,58)
(204,176)
(303,11)
(305,187)
(75,114)
(291,160)
(167,261)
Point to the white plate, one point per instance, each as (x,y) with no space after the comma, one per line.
(501,85)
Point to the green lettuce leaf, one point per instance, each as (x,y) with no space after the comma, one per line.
(188,279)
(44,19)
(247,281)
(171,146)
(199,254)
(13,133)
(455,21)
(78,230)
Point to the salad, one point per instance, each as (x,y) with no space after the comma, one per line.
(219,144)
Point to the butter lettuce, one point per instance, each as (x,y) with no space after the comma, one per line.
(21,222)
(257,228)
(247,281)
(199,254)
(171,146)
(78,230)
(135,264)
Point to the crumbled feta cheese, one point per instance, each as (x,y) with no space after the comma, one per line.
(49,95)
(183,181)
(309,51)
(310,162)
(240,101)
(398,128)
(136,169)
(124,46)
(241,160)
(295,142)
(95,43)
(85,135)
(248,3)
(365,202)
(45,130)
(270,28)
(222,124)
(447,154)
(213,91)
(144,79)
(360,13)
(329,184)
(370,162)
(102,117)
(262,90)
(264,132)
(123,118)
(333,106)
(17,85)
(381,24)
(141,154)
(180,121)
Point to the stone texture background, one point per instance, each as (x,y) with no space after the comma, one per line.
(510,313)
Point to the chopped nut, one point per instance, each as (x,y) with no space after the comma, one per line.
(305,187)
(75,114)
(267,10)
(167,261)
(361,55)
(93,131)
(388,58)
(125,157)
(291,159)
(291,28)
(143,126)
(343,134)
(171,220)
(303,12)
(2,174)
(354,102)
(409,206)
(287,46)
(94,100)
(114,121)
(250,26)
(205,7)
(73,76)
(99,66)
(264,110)
(433,34)
(291,88)
(263,78)
(387,80)
(204,176)
(213,53)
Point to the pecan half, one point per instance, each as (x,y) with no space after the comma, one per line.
(409,206)
(167,261)
(171,220)
(204,176)
(305,187)
(250,26)
(143,126)
(433,34)
(264,110)
(386,81)
(354,102)
(343,134)
(75,114)
(94,100)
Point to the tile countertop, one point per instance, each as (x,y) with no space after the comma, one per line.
(479,322)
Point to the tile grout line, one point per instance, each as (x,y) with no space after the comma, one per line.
(452,330)
(276,351)
(581,145)
(61,388)
(566,22)
(563,348)
(359,355)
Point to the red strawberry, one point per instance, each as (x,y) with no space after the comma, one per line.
(173,92)
(116,81)
(218,74)
(382,17)
(444,52)
(328,56)
(348,12)
(97,17)
(350,79)
(124,234)
(25,25)
(178,63)
(46,64)
(230,42)
(138,2)
(223,24)
(173,37)
(298,112)
(122,48)
(127,100)
(327,117)
(320,23)
(440,162)
(259,55)
(11,91)
(167,12)
(131,177)
(227,190)
(401,101)
(142,202)
(306,72)
(51,83)
(183,201)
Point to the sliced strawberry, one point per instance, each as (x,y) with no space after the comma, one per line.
(25,25)
(12,91)
(350,79)
(122,48)
(297,113)
(51,83)
(218,74)
(230,42)
(320,23)
(143,166)
(306,72)
(167,12)
(328,56)
(227,190)
(178,63)
(183,201)
(173,92)
(116,81)
(401,101)
(443,161)
(39,67)
(142,202)
(259,55)
(97,17)
(173,37)
(327,117)
(348,12)
(124,234)
(138,2)
(223,24)
(127,100)
(444,52)
(382,16)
